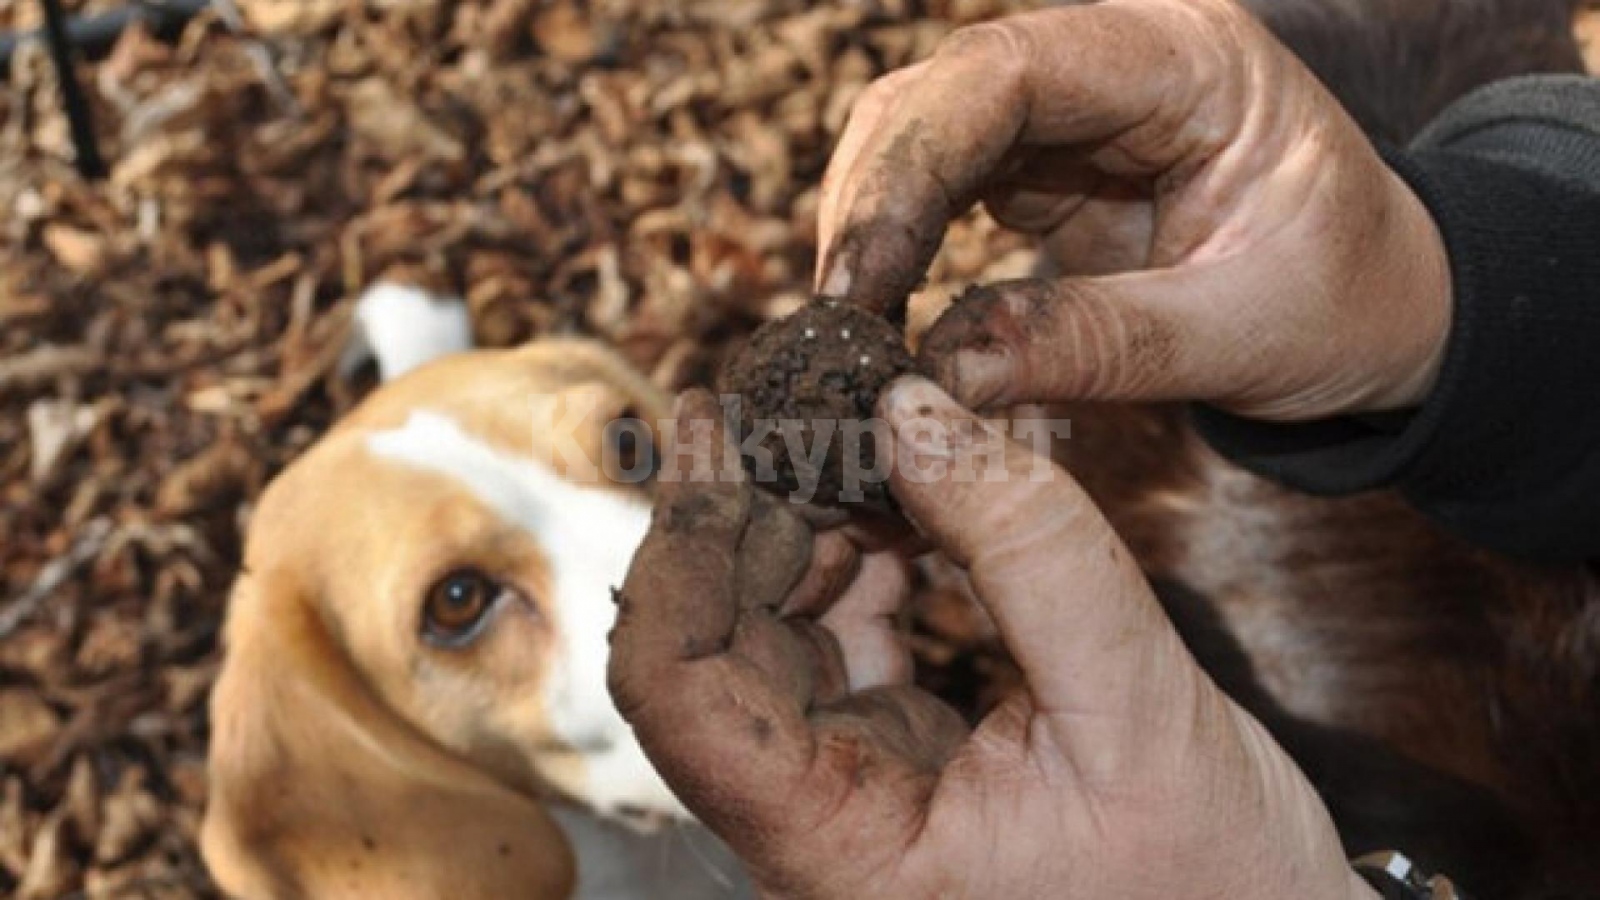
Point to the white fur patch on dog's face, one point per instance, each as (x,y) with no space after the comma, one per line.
(588,535)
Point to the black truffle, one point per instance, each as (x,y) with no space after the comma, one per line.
(823,366)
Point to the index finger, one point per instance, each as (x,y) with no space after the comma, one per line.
(1108,72)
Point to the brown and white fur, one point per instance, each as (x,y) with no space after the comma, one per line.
(351,756)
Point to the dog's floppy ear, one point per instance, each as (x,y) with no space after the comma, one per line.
(318,790)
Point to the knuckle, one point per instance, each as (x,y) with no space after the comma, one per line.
(1056,516)
(1091,343)
(978,319)
(1004,50)
(1080,340)
(873,100)
(630,693)
(989,41)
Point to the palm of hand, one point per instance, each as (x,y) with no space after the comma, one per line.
(1120,770)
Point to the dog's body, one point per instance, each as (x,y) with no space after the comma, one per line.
(355,752)
(1442,699)
(1396,64)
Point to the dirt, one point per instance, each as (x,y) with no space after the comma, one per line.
(821,369)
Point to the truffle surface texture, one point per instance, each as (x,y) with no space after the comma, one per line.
(822,367)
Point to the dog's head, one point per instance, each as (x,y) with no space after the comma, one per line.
(416,647)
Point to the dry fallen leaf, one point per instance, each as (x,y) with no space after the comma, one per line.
(567,33)
(222,473)
(84,252)
(51,869)
(13,828)
(28,727)
(131,814)
(396,127)
(82,799)
(55,428)
(291,17)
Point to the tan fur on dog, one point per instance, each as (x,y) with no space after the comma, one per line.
(351,758)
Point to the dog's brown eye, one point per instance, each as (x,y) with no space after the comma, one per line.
(456,605)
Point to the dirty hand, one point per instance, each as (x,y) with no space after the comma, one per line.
(760,672)
(1226,232)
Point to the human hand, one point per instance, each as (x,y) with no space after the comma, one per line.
(1119,770)
(1227,232)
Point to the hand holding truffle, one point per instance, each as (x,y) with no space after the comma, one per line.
(1227,232)
(757,666)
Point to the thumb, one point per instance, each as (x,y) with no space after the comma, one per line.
(1137,336)
(1102,662)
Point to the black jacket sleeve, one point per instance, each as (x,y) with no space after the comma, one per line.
(1506,450)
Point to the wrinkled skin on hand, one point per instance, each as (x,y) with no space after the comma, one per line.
(1226,232)
(759,667)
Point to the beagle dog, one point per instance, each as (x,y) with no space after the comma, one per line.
(412,702)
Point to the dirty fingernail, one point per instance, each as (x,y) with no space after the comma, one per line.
(912,397)
(837,282)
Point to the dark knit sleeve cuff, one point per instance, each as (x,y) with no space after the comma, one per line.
(1506,450)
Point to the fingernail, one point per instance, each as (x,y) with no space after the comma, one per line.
(910,396)
(980,377)
(837,284)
